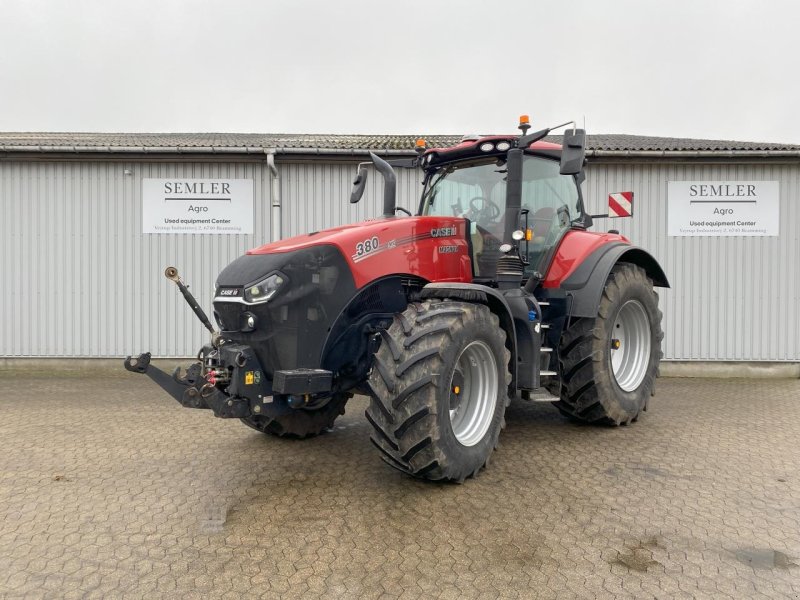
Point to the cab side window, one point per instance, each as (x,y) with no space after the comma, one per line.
(551,200)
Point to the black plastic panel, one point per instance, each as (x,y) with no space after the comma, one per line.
(292,326)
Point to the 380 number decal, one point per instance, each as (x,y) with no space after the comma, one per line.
(367,246)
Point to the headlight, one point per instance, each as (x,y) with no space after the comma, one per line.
(487,147)
(503,146)
(264,289)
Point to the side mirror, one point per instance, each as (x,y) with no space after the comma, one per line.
(359,184)
(573,151)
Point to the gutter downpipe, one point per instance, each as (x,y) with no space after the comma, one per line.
(275,225)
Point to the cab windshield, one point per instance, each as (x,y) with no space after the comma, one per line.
(476,190)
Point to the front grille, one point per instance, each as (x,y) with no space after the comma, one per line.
(227,314)
(291,328)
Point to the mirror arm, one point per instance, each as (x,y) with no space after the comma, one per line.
(404,163)
(527,140)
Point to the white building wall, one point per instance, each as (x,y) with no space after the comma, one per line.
(732,298)
(316,195)
(81,280)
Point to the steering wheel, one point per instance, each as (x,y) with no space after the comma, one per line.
(484,209)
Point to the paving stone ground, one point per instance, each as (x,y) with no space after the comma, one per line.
(108,488)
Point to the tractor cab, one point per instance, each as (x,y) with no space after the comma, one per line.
(476,189)
(527,218)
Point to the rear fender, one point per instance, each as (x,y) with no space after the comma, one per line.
(584,287)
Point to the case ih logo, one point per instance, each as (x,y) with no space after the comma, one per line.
(443,232)
(229,292)
(620,205)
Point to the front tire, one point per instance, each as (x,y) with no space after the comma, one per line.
(609,364)
(439,389)
(281,420)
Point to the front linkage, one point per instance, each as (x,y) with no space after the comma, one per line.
(191,391)
(198,387)
(232,367)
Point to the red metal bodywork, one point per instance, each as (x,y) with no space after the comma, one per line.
(575,247)
(433,248)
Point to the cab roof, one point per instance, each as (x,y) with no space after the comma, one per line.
(475,147)
(470,141)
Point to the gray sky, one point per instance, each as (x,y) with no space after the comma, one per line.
(699,68)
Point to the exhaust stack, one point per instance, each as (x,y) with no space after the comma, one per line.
(389,184)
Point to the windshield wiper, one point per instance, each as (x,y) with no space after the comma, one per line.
(432,189)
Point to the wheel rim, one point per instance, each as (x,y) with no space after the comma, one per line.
(630,345)
(472,405)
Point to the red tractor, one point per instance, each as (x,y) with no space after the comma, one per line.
(496,288)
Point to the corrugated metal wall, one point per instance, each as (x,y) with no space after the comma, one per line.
(733,298)
(317,196)
(80,279)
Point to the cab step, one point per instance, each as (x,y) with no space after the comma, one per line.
(539,395)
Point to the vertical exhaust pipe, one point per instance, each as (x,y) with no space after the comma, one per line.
(389,184)
(275,215)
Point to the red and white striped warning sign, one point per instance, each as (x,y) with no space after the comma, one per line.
(620,204)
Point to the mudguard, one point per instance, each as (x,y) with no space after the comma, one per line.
(585,285)
(513,310)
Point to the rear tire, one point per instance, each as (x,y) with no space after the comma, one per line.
(601,384)
(439,389)
(280,420)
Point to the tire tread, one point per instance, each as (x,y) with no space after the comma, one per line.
(586,392)
(403,408)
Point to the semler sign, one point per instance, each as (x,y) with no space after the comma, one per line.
(723,208)
(197,206)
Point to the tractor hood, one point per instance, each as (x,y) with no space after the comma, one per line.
(259,262)
(304,283)
(432,248)
(335,236)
